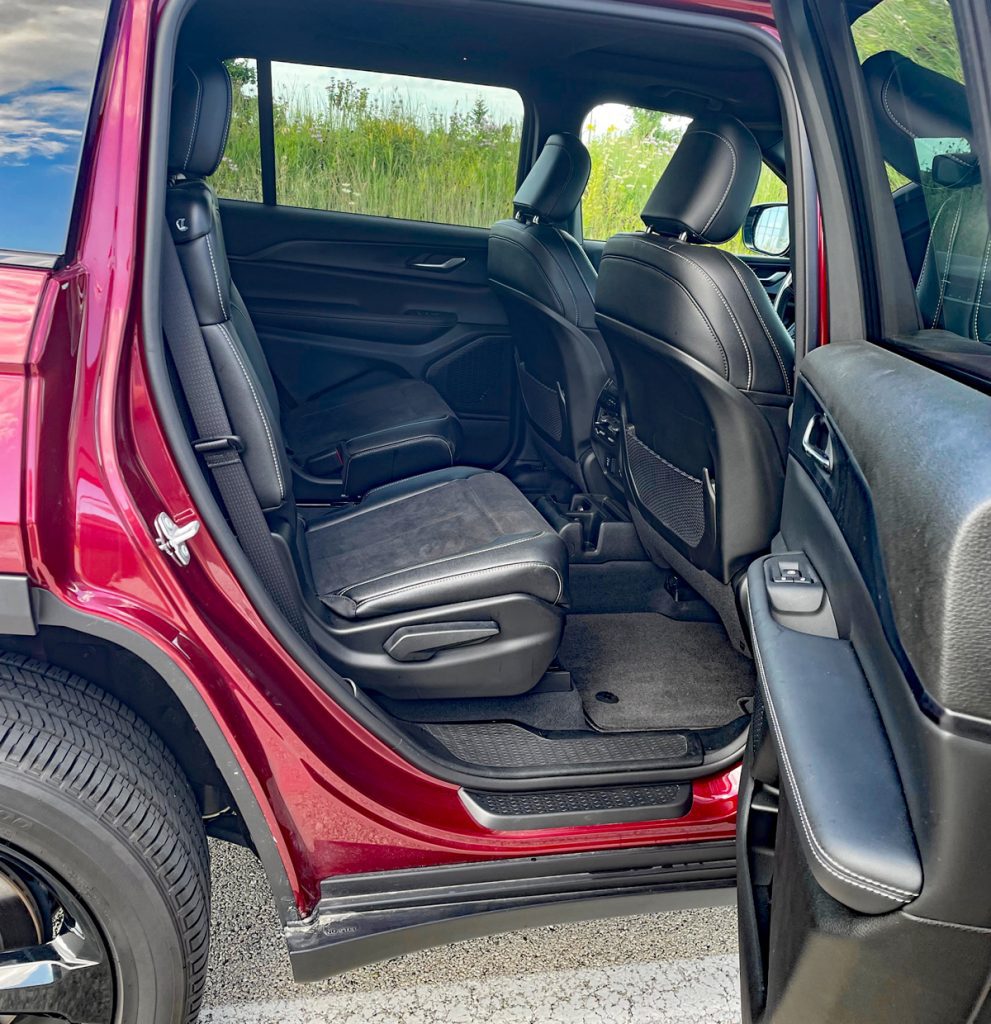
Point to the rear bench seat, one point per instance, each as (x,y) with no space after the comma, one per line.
(446,584)
(364,432)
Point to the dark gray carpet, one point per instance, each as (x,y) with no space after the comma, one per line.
(666,674)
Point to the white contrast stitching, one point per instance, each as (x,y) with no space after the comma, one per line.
(196,119)
(440,561)
(261,412)
(726,305)
(464,576)
(732,176)
(746,288)
(216,278)
(944,278)
(884,100)
(930,246)
(814,845)
(691,298)
(980,291)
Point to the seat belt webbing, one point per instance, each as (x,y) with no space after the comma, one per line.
(220,448)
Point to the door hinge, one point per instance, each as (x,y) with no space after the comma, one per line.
(172,538)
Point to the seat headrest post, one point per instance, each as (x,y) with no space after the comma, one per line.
(554,187)
(709,183)
(201,116)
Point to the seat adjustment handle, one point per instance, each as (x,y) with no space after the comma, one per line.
(422,641)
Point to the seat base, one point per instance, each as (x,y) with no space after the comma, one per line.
(459,546)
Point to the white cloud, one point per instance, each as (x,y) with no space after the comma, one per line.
(48,54)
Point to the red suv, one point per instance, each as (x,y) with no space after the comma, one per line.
(426,467)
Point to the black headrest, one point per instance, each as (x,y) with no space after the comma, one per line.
(201,115)
(911,102)
(709,184)
(553,188)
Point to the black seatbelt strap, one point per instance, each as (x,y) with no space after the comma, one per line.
(220,448)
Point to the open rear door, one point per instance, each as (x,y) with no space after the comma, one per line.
(864,840)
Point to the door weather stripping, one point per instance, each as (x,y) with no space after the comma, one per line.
(172,539)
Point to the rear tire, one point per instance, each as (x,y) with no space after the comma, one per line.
(90,796)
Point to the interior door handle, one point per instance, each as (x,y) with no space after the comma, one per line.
(449,264)
(817,443)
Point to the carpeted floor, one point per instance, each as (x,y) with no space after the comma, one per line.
(667,674)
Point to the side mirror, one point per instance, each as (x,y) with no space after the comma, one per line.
(766,229)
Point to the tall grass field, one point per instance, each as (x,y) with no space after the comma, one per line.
(343,147)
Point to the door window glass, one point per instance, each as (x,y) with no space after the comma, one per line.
(630,147)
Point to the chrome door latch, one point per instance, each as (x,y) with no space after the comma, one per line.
(172,539)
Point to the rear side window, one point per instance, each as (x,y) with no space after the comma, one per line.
(381,145)
(48,60)
(630,147)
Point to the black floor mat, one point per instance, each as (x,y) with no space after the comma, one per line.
(665,674)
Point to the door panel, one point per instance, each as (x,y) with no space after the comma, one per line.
(865,812)
(335,296)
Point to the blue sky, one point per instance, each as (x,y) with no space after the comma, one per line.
(48,53)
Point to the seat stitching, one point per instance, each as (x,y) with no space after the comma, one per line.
(543,273)
(467,575)
(732,176)
(691,298)
(821,855)
(930,246)
(216,278)
(944,277)
(980,291)
(726,305)
(553,259)
(439,561)
(763,323)
(261,412)
(574,262)
(196,117)
(947,924)
(884,100)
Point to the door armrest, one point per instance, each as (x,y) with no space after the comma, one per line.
(836,764)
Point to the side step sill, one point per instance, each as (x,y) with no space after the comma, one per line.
(361,919)
(563,808)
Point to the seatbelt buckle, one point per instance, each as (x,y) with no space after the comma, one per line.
(224,443)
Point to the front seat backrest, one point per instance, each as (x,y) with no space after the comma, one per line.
(913,104)
(704,367)
(201,106)
(547,285)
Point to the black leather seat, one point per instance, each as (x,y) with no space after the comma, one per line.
(365,432)
(547,285)
(704,367)
(913,103)
(446,584)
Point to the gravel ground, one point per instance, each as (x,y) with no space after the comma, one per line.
(673,968)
